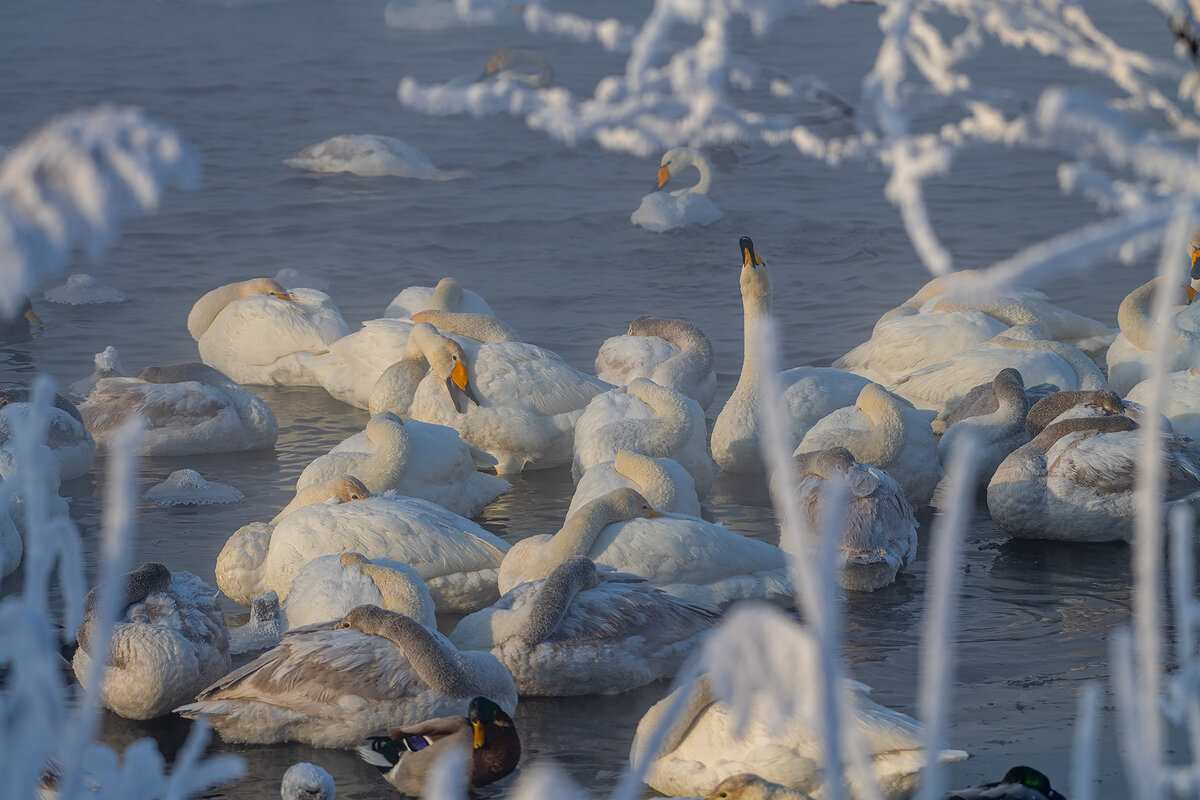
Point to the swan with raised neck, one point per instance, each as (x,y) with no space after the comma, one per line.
(212,304)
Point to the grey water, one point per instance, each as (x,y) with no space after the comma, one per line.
(542,231)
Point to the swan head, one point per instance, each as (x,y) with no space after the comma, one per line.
(755,280)
(447,295)
(507,60)
(678,159)
(824,463)
(189,371)
(746,786)
(21,394)
(306,781)
(623,504)
(26,311)
(347,488)
(447,360)
(268,286)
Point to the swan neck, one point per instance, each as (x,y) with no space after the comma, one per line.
(554,597)
(888,429)
(577,535)
(705,169)
(651,477)
(672,426)
(433,662)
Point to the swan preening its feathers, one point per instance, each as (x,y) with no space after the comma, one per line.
(671,352)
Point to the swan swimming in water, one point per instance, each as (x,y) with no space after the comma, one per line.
(671,352)
(885,432)
(809,393)
(416,459)
(370,156)
(253,329)
(168,643)
(648,419)
(581,630)
(878,529)
(188,409)
(684,556)
(665,484)
(661,211)
(335,684)
(71,446)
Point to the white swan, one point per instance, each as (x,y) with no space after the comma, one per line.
(370,156)
(448,295)
(188,409)
(661,211)
(648,419)
(329,587)
(1131,353)
(997,433)
(72,448)
(684,556)
(82,290)
(457,559)
(707,745)
(671,352)
(745,786)
(1075,480)
(878,529)
(885,432)
(809,393)
(252,330)
(1181,401)
(581,630)
(513,400)
(342,489)
(665,484)
(1018,305)
(169,642)
(503,67)
(350,366)
(943,386)
(334,684)
(414,458)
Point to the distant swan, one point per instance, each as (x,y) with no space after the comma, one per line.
(684,556)
(809,393)
(370,156)
(878,529)
(335,684)
(252,330)
(885,432)
(168,643)
(580,630)
(671,352)
(188,409)
(503,67)
(414,458)
(661,211)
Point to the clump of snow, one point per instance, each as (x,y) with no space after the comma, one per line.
(83,289)
(186,487)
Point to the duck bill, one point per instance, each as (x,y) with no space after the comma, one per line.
(32,317)
(664,175)
(460,389)
(478,726)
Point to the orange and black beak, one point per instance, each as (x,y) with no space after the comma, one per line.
(664,175)
(478,726)
(459,386)
(32,317)
(749,257)
(1191,293)
(492,68)
(283,296)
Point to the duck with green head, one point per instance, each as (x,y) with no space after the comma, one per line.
(1019,783)
(406,755)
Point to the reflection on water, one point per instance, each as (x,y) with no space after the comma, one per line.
(543,233)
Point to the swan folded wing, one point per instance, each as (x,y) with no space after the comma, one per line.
(619,611)
(512,373)
(160,404)
(882,730)
(261,328)
(1107,462)
(314,667)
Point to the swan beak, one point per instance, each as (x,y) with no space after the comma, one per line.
(1191,293)
(664,175)
(652,514)
(492,68)
(460,388)
(478,726)
(749,257)
(32,317)
(283,296)
(1195,264)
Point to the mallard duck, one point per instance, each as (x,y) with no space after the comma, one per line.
(581,630)
(336,683)
(169,641)
(671,352)
(1019,783)
(406,755)
(809,393)
(745,786)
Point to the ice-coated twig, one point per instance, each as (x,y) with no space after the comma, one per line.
(1083,752)
(938,630)
(71,182)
